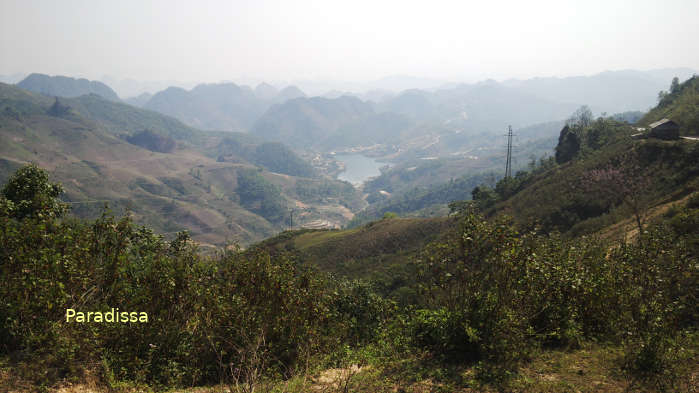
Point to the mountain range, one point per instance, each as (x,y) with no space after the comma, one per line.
(223,187)
(336,122)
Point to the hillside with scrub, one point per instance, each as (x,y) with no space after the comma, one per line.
(491,308)
(521,289)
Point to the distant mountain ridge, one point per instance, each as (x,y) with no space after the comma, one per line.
(63,86)
(464,110)
(224,106)
(289,93)
(139,100)
(265,91)
(303,122)
(609,91)
(219,106)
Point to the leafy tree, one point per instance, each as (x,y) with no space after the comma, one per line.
(389,215)
(675,86)
(568,145)
(152,141)
(484,196)
(581,117)
(29,193)
(59,109)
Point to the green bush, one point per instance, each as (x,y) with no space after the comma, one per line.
(492,294)
(208,318)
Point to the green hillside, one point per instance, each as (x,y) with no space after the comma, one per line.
(603,176)
(386,247)
(680,104)
(537,284)
(467,302)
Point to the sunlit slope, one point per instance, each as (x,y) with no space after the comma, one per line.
(561,197)
(681,106)
(382,248)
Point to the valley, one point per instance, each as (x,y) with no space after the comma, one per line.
(194,187)
(179,177)
(280,242)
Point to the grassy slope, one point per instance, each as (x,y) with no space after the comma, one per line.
(556,199)
(380,249)
(681,106)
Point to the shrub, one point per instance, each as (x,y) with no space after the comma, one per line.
(492,294)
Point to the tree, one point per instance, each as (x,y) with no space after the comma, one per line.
(675,86)
(29,193)
(624,183)
(389,215)
(581,117)
(568,145)
(59,109)
(484,196)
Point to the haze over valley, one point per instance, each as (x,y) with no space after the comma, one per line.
(423,137)
(358,196)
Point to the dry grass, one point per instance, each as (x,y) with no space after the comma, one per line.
(593,368)
(627,230)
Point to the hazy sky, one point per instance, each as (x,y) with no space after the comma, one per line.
(344,40)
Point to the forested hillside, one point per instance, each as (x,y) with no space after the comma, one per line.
(601,181)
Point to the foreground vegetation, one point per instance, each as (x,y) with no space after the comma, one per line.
(490,303)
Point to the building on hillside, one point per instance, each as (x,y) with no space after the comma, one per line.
(664,129)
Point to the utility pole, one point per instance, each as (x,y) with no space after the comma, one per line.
(508,166)
(291,219)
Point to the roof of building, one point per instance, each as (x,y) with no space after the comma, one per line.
(661,122)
